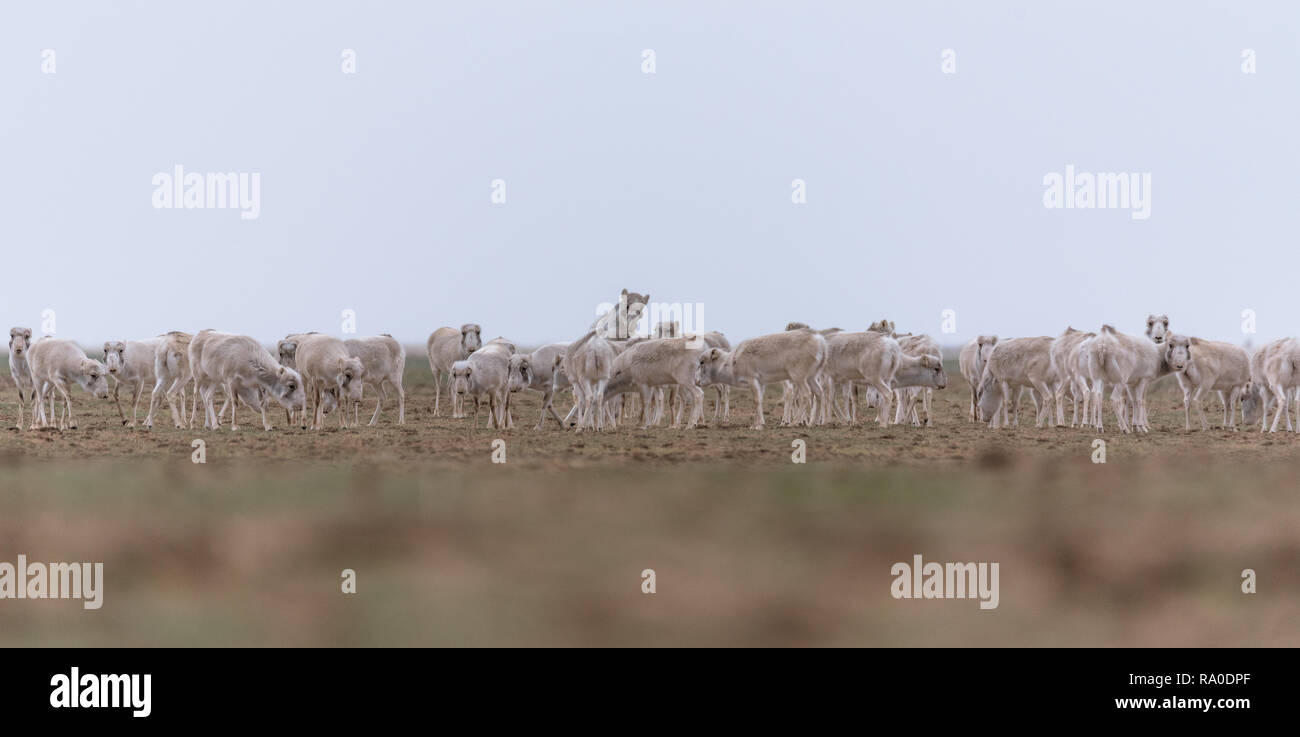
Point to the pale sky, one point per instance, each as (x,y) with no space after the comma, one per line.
(924,188)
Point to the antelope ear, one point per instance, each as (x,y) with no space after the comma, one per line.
(87,365)
(283,370)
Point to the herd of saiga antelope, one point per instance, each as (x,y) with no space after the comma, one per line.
(604,367)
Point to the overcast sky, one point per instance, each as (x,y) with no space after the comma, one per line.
(924,189)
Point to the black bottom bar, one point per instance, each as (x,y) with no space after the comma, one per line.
(242,687)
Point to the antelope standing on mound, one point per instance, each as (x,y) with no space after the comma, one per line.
(620,321)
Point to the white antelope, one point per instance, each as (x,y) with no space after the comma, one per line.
(55,364)
(971,362)
(384,360)
(202,382)
(1129,364)
(619,322)
(906,394)
(246,371)
(486,371)
(328,368)
(796,405)
(870,358)
(537,371)
(1208,365)
(1277,366)
(1012,364)
(652,364)
(20,339)
(796,356)
(171,374)
(445,347)
(131,362)
(1070,374)
(588,362)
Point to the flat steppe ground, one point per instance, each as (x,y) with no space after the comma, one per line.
(748,548)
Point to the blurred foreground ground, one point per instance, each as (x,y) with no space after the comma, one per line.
(252,554)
